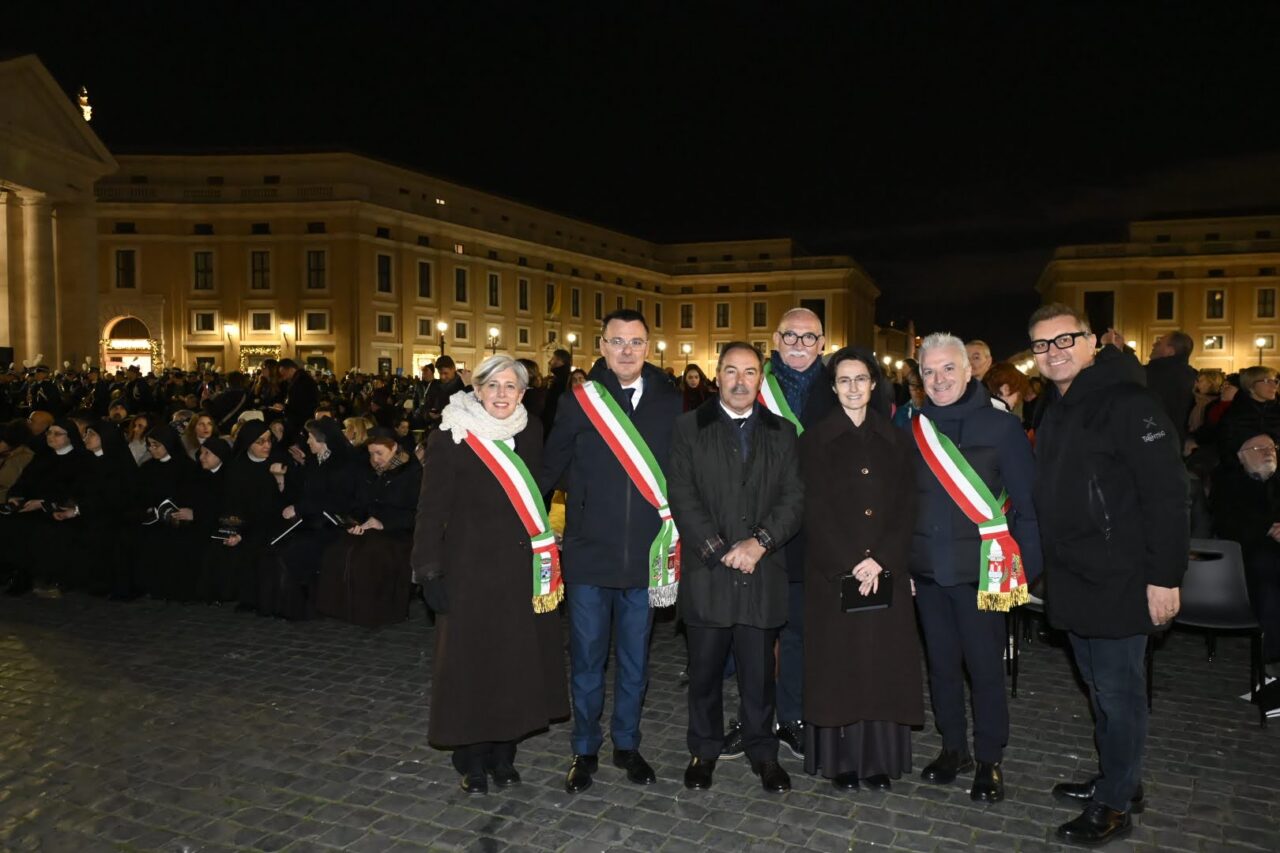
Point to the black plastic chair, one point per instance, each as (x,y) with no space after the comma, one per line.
(1215,597)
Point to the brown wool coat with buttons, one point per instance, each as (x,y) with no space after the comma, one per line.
(860,501)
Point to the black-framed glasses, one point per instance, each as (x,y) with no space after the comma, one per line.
(1064,341)
(808,338)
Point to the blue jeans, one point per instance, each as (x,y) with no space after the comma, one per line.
(596,613)
(1115,673)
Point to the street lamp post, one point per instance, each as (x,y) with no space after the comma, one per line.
(493,340)
(440,327)
(662,354)
(572,340)
(1259,342)
(686,349)
(286,329)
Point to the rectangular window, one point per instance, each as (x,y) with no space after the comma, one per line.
(575,303)
(460,293)
(686,315)
(1217,273)
(551,298)
(1266,302)
(657,315)
(426,328)
(1215,305)
(722,315)
(461,331)
(386,322)
(316,321)
(522,336)
(495,290)
(1164,274)
(640,305)
(259,270)
(384,273)
(1164,305)
(203,271)
(424,280)
(599,306)
(522,295)
(260,321)
(759,315)
(260,228)
(126,269)
(619,304)
(1215,342)
(316,262)
(203,322)
(552,336)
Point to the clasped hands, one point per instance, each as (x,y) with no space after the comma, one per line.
(868,574)
(743,556)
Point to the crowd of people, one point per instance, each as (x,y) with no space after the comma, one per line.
(817,518)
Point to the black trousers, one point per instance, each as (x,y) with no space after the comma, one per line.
(476,758)
(1262,573)
(753,651)
(959,637)
(1115,672)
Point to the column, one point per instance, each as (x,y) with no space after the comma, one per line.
(40,305)
(8,246)
(77,283)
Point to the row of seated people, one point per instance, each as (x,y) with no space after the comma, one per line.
(271,527)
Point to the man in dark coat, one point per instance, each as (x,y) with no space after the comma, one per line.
(609,527)
(737,498)
(559,368)
(1111,497)
(43,393)
(226,406)
(945,564)
(1171,377)
(437,396)
(301,398)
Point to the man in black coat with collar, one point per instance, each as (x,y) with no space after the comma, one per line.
(1111,494)
(1171,377)
(737,498)
(609,527)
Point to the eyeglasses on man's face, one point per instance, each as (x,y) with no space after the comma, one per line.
(1064,341)
(808,338)
(1265,449)
(623,343)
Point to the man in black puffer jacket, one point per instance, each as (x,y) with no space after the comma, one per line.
(1111,499)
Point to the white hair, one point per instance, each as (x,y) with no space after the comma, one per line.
(942,340)
(495,364)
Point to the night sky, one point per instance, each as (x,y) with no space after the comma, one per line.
(946,148)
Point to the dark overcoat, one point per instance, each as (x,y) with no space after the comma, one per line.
(716,496)
(859,502)
(499,669)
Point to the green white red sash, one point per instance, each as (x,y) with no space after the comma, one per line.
(1001,581)
(514,477)
(774,400)
(633,454)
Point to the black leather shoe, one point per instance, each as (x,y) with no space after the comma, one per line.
(791,735)
(845,782)
(733,746)
(879,782)
(475,783)
(579,778)
(1083,791)
(505,777)
(988,783)
(638,770)
(944,769)
(772,777)
(1097,825)
(697,776)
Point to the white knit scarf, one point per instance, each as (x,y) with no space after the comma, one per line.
(465,414)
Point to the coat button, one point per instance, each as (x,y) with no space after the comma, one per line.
(866,553)
(866,471)
(868,512)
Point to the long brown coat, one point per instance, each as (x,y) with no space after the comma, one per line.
(860,501)
(499,667)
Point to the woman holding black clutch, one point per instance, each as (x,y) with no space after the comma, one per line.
(862,664)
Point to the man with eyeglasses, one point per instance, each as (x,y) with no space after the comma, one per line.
(1254,410)
(1111,498)
(610,444)
(1246,509)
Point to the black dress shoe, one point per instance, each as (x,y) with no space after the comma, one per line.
(944,769)
(505,777)
(1097,825)
(638,770)
(579,778)
(791,735)
(845,782)
(772,777)
(475,783)
(879,782)
(988,783)
(697,776)
(1083,791)
(733,746)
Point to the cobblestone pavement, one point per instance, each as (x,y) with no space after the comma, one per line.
(148,726)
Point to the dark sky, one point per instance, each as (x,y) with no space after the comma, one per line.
(948,147)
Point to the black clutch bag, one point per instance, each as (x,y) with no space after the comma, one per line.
(853,601)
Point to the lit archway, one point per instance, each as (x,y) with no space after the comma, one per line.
(126,341)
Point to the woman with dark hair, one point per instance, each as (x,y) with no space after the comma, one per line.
(166,546)
(914,401)
(695,388)
(1010,386)
(324,487)
(364,575)
(862,668)
(201,428)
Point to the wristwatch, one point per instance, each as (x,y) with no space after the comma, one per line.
(762,536)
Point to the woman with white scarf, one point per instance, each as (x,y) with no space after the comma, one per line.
(488,562)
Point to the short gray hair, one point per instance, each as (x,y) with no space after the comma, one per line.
(942,340)
(495,364)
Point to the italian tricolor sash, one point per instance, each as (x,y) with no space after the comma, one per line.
(774,400)
(633,454)
(514,477)
(1001,581)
